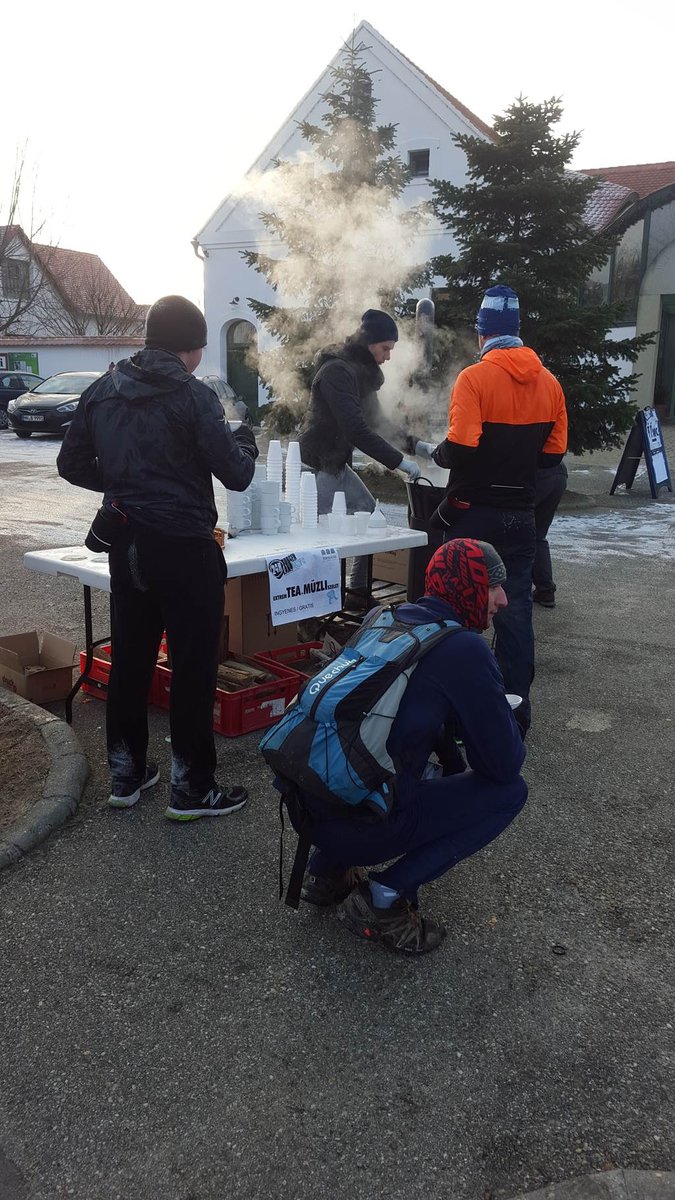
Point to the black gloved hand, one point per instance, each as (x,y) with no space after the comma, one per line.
(245,439)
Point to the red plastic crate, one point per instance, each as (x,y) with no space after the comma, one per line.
(286,655)
(235,713)
(99,671)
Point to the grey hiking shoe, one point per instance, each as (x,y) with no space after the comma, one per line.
(400,927)
(324,890)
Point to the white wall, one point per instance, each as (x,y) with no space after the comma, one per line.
(54,359)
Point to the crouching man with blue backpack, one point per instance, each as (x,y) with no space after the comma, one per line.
(367,762)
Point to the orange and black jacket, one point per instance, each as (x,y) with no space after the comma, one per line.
(507,418)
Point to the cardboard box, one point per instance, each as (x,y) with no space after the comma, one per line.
(250,628)
(56,657)
(391,566)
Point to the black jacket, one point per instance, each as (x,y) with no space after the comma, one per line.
(344,412)
(149,436)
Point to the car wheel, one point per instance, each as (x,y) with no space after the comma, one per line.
(23,433)
(4,419)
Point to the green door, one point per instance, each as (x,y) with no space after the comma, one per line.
(241,350)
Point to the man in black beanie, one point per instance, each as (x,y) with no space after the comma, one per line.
(344,414)
(150,436)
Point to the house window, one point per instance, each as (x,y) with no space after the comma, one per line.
(418,162)
(14,277)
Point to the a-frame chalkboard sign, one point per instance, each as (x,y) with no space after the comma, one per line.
(645,438)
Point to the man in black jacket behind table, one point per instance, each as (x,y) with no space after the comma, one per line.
(344,414)
(149,436)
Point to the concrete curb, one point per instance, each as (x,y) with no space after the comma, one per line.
(67,776)
(609,1185)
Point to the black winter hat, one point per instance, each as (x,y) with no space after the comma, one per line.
(176,324)
(495,567)
(378,326)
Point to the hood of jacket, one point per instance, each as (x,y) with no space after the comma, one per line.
(150,372)
(428,607)
(521,363)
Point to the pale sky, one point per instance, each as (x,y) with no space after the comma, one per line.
(140,117)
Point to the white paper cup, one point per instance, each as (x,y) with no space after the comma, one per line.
(514,700)
(334,523)
(361,519)
(348,525)
(339,503)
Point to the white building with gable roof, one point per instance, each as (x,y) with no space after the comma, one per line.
(426,116)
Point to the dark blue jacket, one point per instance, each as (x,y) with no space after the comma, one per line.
(457,683)
(150,436)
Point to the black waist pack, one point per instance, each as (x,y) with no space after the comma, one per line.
(107,526)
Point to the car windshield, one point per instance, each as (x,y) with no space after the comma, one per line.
(65,385)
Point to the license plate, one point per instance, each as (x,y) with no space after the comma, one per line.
(33,418)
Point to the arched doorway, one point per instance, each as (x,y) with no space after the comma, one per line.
(241,347)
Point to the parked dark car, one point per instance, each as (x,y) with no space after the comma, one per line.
(50,406)
(234,407)
(13,384)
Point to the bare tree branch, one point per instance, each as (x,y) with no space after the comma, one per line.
(21,279)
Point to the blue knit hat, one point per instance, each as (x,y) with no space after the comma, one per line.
(499,312)
(378,326)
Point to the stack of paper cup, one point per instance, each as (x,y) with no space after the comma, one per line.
(275,462)
(309,516)
(339,504)
(293,473)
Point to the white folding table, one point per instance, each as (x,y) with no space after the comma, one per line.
(244,555)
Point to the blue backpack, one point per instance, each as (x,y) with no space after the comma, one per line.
(332,740)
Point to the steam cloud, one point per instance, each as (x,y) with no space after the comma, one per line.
(359,246)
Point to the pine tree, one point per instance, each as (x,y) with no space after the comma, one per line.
(519,220)
(346,246)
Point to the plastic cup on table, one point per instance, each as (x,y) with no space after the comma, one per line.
(339,504)
(361,521)
(377,518)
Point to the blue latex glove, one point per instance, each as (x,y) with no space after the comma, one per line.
(412,470)
(424,449)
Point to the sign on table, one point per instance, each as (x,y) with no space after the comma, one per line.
(304,584)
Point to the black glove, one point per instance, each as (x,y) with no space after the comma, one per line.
(246,441)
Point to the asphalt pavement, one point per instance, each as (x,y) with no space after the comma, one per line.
(171,1032)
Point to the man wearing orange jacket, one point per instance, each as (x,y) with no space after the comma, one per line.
(507,418)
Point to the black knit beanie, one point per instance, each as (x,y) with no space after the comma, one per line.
(495,567)
(377,326)
(176,324)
